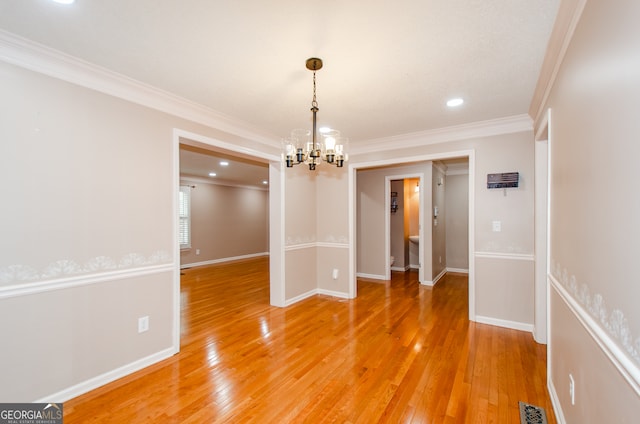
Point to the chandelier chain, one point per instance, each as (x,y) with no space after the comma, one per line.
(314,102)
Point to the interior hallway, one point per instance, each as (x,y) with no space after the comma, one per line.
(399,352)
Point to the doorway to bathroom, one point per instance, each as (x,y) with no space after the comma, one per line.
(404,223)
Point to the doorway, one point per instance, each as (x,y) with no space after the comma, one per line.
(275,208)
(404,224)
(355,235)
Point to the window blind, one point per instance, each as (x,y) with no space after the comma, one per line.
(184,225)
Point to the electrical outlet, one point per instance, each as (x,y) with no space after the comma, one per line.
(335,274)
(496,226)
(143,324)
(572,389)
(197,251)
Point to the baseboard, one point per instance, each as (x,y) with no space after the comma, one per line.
(514,325)
(400,268)
(303,296)
(108,377)
(458,270)
(370,276)
(222,260)
(314,292)
(555,402)
(333,293)
(442,274)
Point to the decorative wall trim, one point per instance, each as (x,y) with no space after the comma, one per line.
(567,19)
(20,280)
(333,245)
(510,256)
(610,330)
(108,377)
(514,325)
(222,260)
(300,246)
(310,245)
(47,61)
(508,125)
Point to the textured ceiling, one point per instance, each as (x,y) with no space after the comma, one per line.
(389,66)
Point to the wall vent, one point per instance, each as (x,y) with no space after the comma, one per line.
(503,180)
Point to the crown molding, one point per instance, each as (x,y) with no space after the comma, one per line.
(507,125)
(36,57)
(458,169)
(188,178)
(567,19)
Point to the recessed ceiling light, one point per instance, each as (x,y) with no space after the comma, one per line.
(224,163)
(455,102)
(324,129)
(265,182)
(64,1)
(212,174)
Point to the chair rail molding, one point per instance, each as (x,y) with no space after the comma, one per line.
(20,280)
(610,330)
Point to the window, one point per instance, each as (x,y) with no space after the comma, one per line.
(184,225)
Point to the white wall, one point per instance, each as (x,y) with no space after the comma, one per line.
(88,234)
(510,249)
(332,200)
(594,130)
(227,222)
(88,244)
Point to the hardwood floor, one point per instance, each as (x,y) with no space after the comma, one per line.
(399,352)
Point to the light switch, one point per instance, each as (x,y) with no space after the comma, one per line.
(497,226)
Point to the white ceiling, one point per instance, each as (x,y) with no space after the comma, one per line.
(389,66)
(198,162)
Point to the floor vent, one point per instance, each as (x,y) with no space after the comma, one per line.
(531,414)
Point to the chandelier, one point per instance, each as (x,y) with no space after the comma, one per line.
(314,146)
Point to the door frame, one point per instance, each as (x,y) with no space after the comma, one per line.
(355,166)
(387,223)
(276,214)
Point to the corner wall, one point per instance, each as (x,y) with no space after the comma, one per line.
(594,318)
(495,253)
(89,243)
(226,223)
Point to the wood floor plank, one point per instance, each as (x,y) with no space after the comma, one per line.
(399,352)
